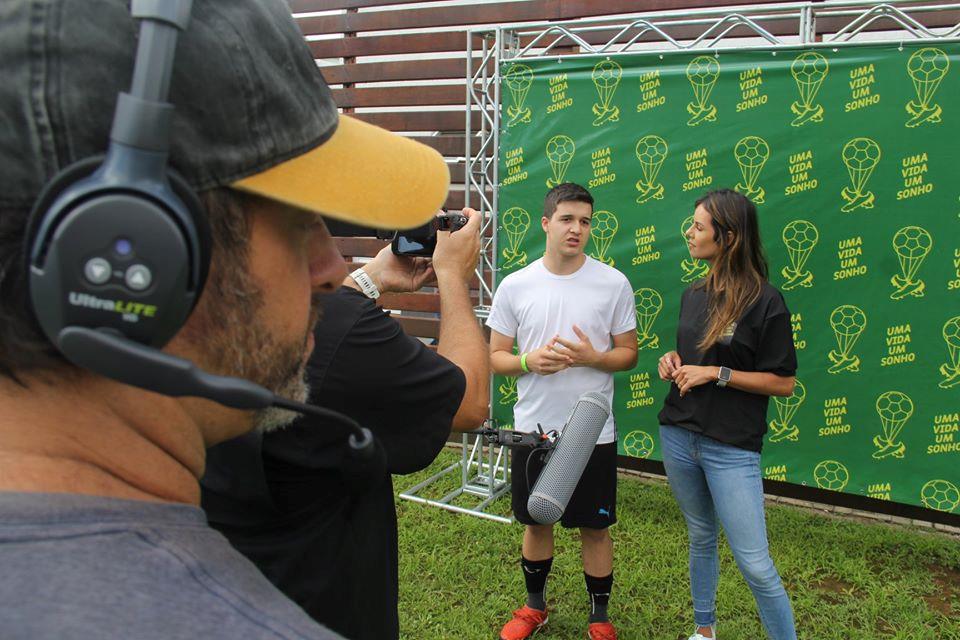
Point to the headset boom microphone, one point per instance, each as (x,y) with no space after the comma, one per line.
(566,462)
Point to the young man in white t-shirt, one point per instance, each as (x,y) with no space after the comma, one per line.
(574,322)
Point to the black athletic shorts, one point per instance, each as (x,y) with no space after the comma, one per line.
(593,504)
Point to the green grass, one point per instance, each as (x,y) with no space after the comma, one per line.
(460,575)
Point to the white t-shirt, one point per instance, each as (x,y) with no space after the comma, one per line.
(533,305)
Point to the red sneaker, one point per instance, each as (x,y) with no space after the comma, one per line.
(526,622)
(601,631)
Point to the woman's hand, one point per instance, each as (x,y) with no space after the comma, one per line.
(689,376)
(668,365)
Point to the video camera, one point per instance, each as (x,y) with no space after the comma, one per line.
(422,240)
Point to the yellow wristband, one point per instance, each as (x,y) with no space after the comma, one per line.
(523,363)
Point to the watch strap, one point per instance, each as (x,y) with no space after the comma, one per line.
(723,376)
(365,283)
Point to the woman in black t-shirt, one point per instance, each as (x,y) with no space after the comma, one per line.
(734,351)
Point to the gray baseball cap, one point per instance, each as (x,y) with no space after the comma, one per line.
(252,110)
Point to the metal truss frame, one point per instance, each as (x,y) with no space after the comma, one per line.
(484,474)
(485,470)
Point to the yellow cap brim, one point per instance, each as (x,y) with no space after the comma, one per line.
(363,174)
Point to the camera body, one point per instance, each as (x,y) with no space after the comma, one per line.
(422,240)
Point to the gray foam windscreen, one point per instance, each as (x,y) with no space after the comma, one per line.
(563,469)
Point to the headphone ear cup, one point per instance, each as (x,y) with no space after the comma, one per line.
(51,191)
(201,224)
(102,251)
(84,169)
(115,259)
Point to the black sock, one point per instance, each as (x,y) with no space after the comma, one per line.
(599,591)
(535,574)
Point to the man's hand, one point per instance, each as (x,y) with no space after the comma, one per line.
(547,360)
(580,354)
(689,376)
(668,365)
(396,274)
(457,252)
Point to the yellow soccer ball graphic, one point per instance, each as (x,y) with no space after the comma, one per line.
(606,73)
(651,149)
(894,406)
(604,225)
(560,148)
(831,475)
(515,220)
(800,235)
(928,65)
(809,67)
(518,77)
(951,332)
(752,151)
(703,69)
(861,153)
(638,444)
(848,320)
(941,495)
(649,302)
(912,242)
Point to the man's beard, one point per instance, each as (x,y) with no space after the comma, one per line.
(293,387)
(238,343)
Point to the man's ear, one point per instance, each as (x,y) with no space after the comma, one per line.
(544,222)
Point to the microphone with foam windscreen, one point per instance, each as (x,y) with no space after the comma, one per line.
(566,462)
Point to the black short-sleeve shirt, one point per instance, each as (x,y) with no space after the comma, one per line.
(286,502)
(761,341)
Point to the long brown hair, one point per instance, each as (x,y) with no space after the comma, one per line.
(740,270)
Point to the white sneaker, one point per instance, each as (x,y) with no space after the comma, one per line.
(697,636)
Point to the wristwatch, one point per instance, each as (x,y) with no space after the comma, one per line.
(365,283)
(723,376)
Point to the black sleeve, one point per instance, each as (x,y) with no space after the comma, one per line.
(394,385)
(775,350)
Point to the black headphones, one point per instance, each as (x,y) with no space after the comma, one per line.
(118,246)
(120,241)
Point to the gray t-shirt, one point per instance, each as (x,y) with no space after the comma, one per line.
(76,566)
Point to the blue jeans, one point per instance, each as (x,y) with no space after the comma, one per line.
(712,481)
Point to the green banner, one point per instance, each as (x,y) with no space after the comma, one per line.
(851,155)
